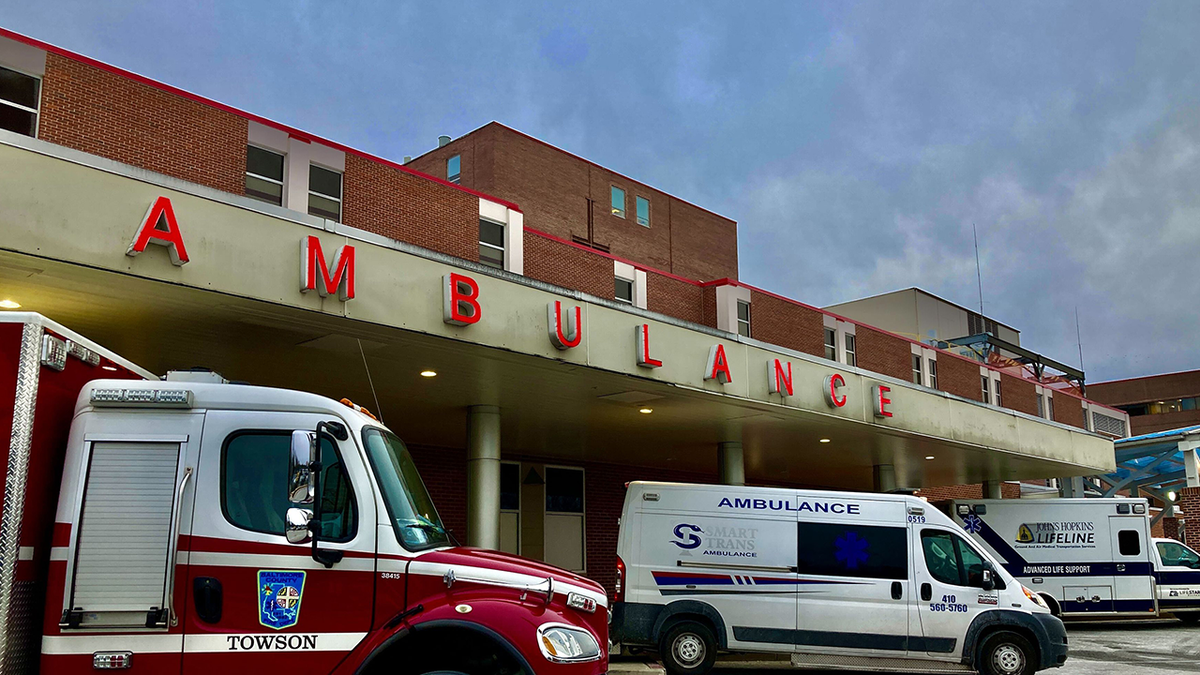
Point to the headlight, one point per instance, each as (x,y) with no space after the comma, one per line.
(564,644)
(1037,599)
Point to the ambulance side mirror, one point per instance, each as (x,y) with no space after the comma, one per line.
(301,479)
(297,529)
(989,581)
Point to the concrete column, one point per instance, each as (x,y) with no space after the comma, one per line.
(885,478)
(731,463)
(991,489)
(483,476)
(1071,486)
(1191,464)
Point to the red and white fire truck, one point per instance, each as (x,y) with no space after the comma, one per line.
(206,527)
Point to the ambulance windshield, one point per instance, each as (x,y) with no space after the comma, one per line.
(416,521)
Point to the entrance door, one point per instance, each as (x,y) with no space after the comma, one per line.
(854,589)
(254,600)
(949,576)
(1133,587)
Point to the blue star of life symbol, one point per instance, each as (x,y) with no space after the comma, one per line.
(972,524)
(851,550)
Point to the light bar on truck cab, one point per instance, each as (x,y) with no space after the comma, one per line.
(166,398)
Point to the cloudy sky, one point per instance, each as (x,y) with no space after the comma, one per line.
(855,144)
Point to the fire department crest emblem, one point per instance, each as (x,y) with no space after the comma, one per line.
(279,595)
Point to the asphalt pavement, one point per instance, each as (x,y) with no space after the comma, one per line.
(1154,648)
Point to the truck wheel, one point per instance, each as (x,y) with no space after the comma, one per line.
(1006,653)
(1189,618)
(688,648)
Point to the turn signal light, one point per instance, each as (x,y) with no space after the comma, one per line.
(581,602)
(112,660)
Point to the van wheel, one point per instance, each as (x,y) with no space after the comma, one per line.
(688,648)
(1189,618)
(1006,653)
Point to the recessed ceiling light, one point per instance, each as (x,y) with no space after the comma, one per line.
(824,440)
(928,456)
(646,411)
(428,373)
(9,304)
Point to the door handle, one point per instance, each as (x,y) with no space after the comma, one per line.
(897,590)
(209,598)
(926,592)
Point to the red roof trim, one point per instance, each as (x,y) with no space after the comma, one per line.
(292,131)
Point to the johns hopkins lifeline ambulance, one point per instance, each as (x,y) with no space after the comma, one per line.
(836,579)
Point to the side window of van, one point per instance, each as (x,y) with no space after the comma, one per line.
(254,466)
(1129,542)
(838,550)
(951,560)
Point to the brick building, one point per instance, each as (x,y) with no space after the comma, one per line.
(523,233)
(1154,402)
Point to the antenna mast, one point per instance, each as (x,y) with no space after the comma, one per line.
(1078,338)
(978,270)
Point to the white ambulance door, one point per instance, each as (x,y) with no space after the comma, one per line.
(741,563)
(854,586)
(950,594)
(249,589)
(1133,585)
(1178,577)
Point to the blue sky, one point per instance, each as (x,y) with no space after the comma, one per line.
(854,143)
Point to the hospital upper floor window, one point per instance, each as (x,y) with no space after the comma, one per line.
(454,168)
(19,96)
(917,373)
(618,201)
(933,373)
(491,244)
(264,175)
(1169,405)
(324,193)
(623,291)
(831,344)
(743,318)
(643,211)
(985,383)
(851,353)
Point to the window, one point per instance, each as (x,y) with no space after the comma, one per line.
(624,290)
(643,211)
(1041,401)
(563,524)
(324,193)
(454,169)
(743,318)
(1129,542)
(851,358)
(933,373)
(917,372)
(998,393)
(1177,555)
(952,561)
(414,518)
(564,490)
(1050,407)
(264,175)
(985,385)
(491,244)
(618,202)
(831,344)
(254,482)
(510,486)
(19,95)
(849,550)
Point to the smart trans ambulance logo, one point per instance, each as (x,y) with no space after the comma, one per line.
(279,596)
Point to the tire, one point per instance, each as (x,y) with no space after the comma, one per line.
(1006,653)
(688,648)
(1189,618)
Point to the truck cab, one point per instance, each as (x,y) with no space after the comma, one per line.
(204,526)
(1177,572)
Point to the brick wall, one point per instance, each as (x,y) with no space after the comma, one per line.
(947,492)
(387,201)
(568,266)
(1143,389)
(785,324)
(959,377)
(1067,410)
(673,297)
(1018,394)
(105,114)
(1189,511)
(883,353)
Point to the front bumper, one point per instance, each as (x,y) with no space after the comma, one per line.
(1052,641)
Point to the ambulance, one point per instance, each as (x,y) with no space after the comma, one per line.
(1089,557)
(190,525)
(842,580)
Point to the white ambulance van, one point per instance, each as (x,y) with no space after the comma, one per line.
(1087,558)
(836,579)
